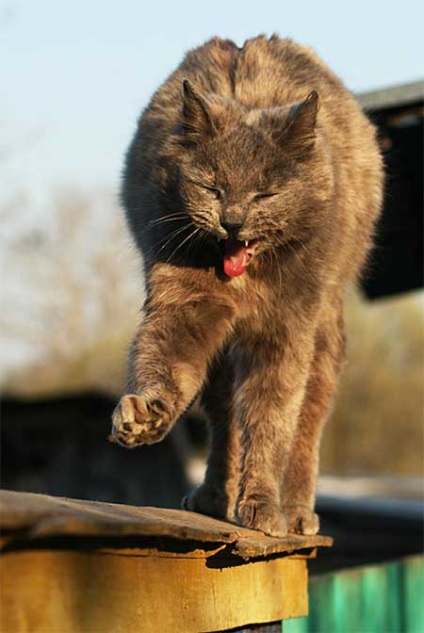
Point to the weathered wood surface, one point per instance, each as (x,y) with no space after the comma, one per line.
(111,592)
(84,567)
(31,516)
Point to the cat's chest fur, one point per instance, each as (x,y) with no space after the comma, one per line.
(262,305)
(273,289)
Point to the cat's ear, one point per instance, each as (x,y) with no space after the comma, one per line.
(196,116)
(302,119)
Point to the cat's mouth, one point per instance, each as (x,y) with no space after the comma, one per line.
(237,255)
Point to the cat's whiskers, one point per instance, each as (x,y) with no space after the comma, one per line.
(169,238)
(308,272)
(172,217)
(198,233)
(199,238)
(277,265)
(192,234)
(203,220)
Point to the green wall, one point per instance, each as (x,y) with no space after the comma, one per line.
(387,598)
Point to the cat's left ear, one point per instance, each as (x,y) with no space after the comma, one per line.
(302,120)
(197,120)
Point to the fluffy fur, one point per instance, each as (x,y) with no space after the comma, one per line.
(261,144)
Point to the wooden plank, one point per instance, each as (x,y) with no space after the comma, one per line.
(86,567)
(45,591)
(31,516)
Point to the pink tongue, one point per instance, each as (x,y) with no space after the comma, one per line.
(235,258)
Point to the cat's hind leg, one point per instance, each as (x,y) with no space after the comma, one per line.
(272,375)
(298,488)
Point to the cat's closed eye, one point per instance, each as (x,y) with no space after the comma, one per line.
(212,190)
(263,196)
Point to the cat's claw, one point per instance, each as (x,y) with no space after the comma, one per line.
(301,520)
(137,420)
(260,515)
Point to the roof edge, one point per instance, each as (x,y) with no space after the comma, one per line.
(392,96)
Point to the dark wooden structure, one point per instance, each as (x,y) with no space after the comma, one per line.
(397,262)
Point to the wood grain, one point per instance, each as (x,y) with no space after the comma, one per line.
(108,592)
(27,516)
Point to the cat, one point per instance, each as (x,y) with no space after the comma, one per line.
(252,188)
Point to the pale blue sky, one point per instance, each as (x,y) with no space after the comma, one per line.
(76,74)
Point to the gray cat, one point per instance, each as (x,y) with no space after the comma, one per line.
(252,188)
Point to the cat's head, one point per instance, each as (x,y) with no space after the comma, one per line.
(253,178)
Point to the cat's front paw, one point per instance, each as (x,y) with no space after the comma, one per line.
(258,514)
(301,520)
(208,500)
(137,420)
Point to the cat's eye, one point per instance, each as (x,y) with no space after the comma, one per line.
(262,196)
(213,190)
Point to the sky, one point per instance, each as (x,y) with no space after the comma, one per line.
(75,75)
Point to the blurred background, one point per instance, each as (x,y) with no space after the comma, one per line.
(75,78)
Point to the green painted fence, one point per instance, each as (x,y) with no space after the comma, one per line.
(387,598)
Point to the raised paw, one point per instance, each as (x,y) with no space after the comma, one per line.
(137,420)
(208,500)
(258,514)
(301,520)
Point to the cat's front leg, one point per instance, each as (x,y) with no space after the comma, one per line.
(273,376)
(217,495)
(180,333)
(141,420)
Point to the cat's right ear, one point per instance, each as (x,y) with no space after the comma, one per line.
(302,120)
(196,117)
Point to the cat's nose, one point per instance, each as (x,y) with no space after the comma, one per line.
(231,224)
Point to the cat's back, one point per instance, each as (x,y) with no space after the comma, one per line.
(275,71)
(263,73)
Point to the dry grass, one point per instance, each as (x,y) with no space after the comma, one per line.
(377,425)
(73,293)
